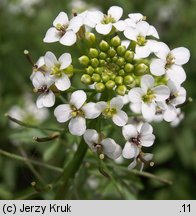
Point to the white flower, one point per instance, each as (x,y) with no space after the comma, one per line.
(139,34)
(101,22)
(29,113)
(133,19)
(64,30)
(42,84)
(145,98)
(39,65)
(57,69)
(177,96)
(77,112)
(112,109)
(136,138)
(170,62)
(102,146)
(178,119)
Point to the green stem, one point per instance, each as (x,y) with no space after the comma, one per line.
(24,159)
(78,70)
(71,169)
(31,126)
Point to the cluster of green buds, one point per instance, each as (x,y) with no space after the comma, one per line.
(111,66)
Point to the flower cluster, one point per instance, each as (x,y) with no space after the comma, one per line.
(127,72)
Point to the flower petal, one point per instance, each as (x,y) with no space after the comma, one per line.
(65,60)
(142,51)
(130,151)
(136,17)
(170,113)
(91,111)
(49,99)
(152,32)
(142,27)
(69,38)
(135,95)
(131,33)
(147,140)
(76,23)
(38,80)
(92,18)
(148,111)
(63,113)
(63,83)
(147,82)
(50,59)
(103,29)
(78,98)
(157,67)
(52,35)
(117,103)
(62,19)
(120,118)
(176,74)
(91,137)
(115,12)
(129,131)
(110,148)
(181,97)
(120,25)
(161,92)
(77,126)
(181,55)
(146,129)
(162,50)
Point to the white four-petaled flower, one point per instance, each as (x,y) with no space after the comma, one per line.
(57,69)
(170,62)
(77,112)
(64,30)
(145,98)
(113,109)
(105,146)
(169,106)
(139,34)
(42,84)
(136,138)
(104,23)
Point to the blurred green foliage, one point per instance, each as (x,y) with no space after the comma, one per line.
(175,150)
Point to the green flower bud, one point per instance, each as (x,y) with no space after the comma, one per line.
(86,79)
(129,68)
(102,62)
(102,55)
(104,46)
(128,79)
(84,60)
(99,70)
(121,72)
(96,77)
(115,41)
(119,80)
(141,69)
(94,62)
(69,71)
(89,70)
(109,60)
(129,56)
(90,37)
(93,53)
(100,87)
(120,61)
(112,76)
(114,59)
(110,84)
(121,50)
(121,90)
(111,52)
(105,77)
